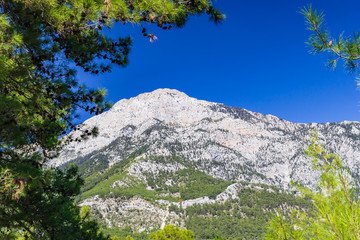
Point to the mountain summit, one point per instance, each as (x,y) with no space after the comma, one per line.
(164,157)
(225,142)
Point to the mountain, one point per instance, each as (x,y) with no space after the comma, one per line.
(162,152)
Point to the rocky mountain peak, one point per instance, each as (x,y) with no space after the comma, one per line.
(157,96)
(225,142)
(164,104)
(162,147)
(163,93)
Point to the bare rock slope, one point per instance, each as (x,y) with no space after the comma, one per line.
(225,142)
(162,153)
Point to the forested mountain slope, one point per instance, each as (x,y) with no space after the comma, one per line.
(160,154)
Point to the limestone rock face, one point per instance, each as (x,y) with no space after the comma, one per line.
(150,139)
(225,142)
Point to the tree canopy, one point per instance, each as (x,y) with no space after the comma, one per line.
(42,41)
(42,44)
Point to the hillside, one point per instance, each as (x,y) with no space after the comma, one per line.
(163,157)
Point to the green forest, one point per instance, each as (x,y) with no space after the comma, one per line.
(243,218)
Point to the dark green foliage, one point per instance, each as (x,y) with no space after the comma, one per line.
(124,232)
(189,182)
(40,39)
(339,48)
(45,207)
(244,218)
(172,232)
(99,183)
(174,208)
(89,164)
(198,184)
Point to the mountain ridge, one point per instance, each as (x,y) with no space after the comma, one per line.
(162,155)
(237,131)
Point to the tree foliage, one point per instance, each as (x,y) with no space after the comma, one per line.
(42,43)
(245,217)
(336,201)
(171,232)
(337,211)
(45,209)
(340,48)
(41,39)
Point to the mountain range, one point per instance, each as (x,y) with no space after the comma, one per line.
(163,155)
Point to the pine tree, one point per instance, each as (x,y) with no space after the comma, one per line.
(340,48)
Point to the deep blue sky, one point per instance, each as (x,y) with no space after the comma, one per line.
(257,59)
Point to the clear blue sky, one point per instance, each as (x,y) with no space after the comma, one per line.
(257,59)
